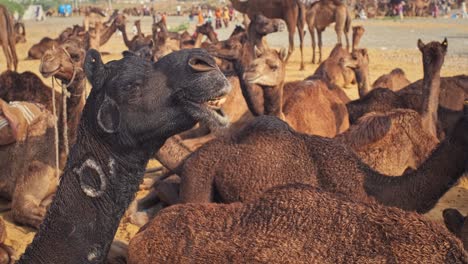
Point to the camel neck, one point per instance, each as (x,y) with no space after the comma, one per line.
(125,37)
(421,189)
(362,78)
(431,92)
(273,100)
(198,40)
(106,34)
(97,185)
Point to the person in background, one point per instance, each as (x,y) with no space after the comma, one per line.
(400,9)
(164,18)
(201,20)
(226,17)
(209,17)
(463,10)
(218,15)
(178,8)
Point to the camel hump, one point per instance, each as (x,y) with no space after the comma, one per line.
(15,118)
(262,126)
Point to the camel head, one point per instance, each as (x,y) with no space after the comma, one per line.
(20,32)
(172,95)
(433,54)
(207,30)
(359,63)
(457,224)
(268,69)
(120,21)
(230,49)
(62,61)
(263,25)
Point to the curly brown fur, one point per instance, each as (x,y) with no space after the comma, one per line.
(390,142)
(268,153)
(293,224)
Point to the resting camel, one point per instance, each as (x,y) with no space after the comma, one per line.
(8,38)
(395,80)
(118,133)
(292,12)
(293,224)
(20,32)
(323,13)
(242,167)
(308,106)
(452,92)
(457,224)
(30,192)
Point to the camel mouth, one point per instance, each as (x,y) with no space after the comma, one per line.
(47,74)
(215,103)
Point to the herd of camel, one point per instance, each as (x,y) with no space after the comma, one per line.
(255,169)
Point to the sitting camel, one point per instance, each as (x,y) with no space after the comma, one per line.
(258,157)
(30,192)
(395,80)
(392,141)
(453,90)
(308,106)
(118,133)
(293,224)
(457,224)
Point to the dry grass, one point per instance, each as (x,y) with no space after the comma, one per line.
(382,61)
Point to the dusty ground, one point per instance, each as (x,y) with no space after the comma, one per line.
(391,44)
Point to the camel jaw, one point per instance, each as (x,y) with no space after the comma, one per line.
(47,74)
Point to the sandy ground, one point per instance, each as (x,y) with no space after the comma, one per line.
(391,44)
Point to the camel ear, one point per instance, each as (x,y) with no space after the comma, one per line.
(108,116)
(445,44)
(283,54)
(453,220)
(364,52)
(94,68)
(420,44)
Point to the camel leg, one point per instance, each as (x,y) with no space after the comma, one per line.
(312,38)
(339,31)
(319,35)
(13,52)
(300,29)
(7,53)
(291,31)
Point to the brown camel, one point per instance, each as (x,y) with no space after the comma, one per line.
(138,41)
(452,92)
(258,157)
(395,80)
(457,224)
(293,224)
(30,192)
(37,50)
(323,13)
(292,12)
(392,141)
(308,106)
(8,38)
(20,31)
(6,252)
(163,43)
(29,179)
(119,132)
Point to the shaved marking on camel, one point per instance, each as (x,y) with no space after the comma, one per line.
(92,164)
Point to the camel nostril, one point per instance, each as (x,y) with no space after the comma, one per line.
(201,64)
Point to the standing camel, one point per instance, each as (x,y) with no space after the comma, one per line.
(320,15)
(8,38)
(292,12)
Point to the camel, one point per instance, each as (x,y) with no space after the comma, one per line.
(292,12)
(20,31)
(30,193)
(457,224)
(240,168)
(118,133)
(93,15)
(163,43)
(323,13)
(29,179)
(308,106)
(6,252)
(332,70)
(8,38)
(395,80)
(452,92)
(137,42)
(293,224)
